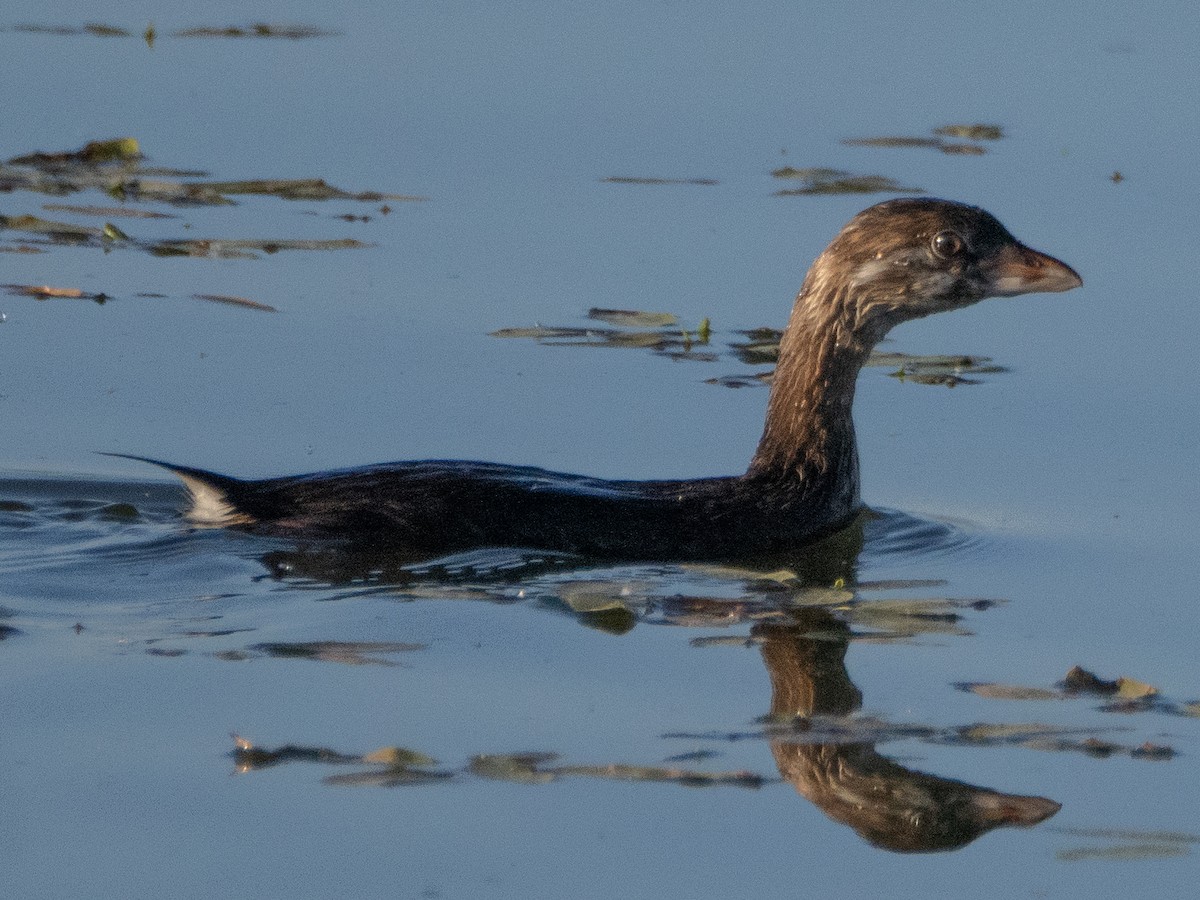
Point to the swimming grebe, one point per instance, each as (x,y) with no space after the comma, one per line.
(895,261)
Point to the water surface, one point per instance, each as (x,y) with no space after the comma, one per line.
(1039,519)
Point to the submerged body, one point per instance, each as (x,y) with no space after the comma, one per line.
(896,261)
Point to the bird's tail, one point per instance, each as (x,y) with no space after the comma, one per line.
(212,494)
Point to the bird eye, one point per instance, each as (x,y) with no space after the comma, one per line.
(947,244)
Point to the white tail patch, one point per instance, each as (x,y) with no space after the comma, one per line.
(210,507)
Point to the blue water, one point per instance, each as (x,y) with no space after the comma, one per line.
(1063,488)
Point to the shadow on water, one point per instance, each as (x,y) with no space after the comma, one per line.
(802,610)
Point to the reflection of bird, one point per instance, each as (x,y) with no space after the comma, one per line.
(892,807)
(895,261)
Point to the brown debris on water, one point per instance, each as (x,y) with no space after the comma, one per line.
(395,766)
(94,153)
(354,653)
(1081,681)
(96,29)
(45,292)
(819,180)
(116,167)
(976,132)
(256,30)
(632,318)
(962,133)
(235,301)
(107,212)
(1125,844)
(632,179)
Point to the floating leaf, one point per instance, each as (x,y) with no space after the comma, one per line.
(124,149)
(257,30)
(521,768)
(235,301)
(630,318)
(1080,680)
(994,691)
(934,143)
(1012,733)
(907,618)
(1122,852)
(355,653)
(245,249)
(936,369)
(590,601)
(963,149)
(36,225)
(108,212)
(836,181)
(628,179)
(689,777)
(45,292)
(296,189)
(1153,752)
(1133,835)
(892,142)
(541,333)
(93,28)
(398,757)
(741,381)
(249,757)
(971,132)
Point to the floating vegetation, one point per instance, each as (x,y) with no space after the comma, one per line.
(45,292)
(629,179)
(971,132)
(150,33)
(38,225)
(1127,844)
(116,167)
(530,768)
(1124,695)
(1081,681)
(961,132)
(740,381)
(629,318)
(660,333)
(949,371)
(94,153)
(353,653)
(994,691)
(256,30)
(107,212)
(818,180)
(235,301)
(203,248)
(207,248)
(908,618)
(892,142)
(394,766)
(249,757)
(92,28)
(297,189)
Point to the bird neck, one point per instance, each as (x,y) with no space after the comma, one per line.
(809,433)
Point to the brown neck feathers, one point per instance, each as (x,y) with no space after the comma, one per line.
(809,432)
